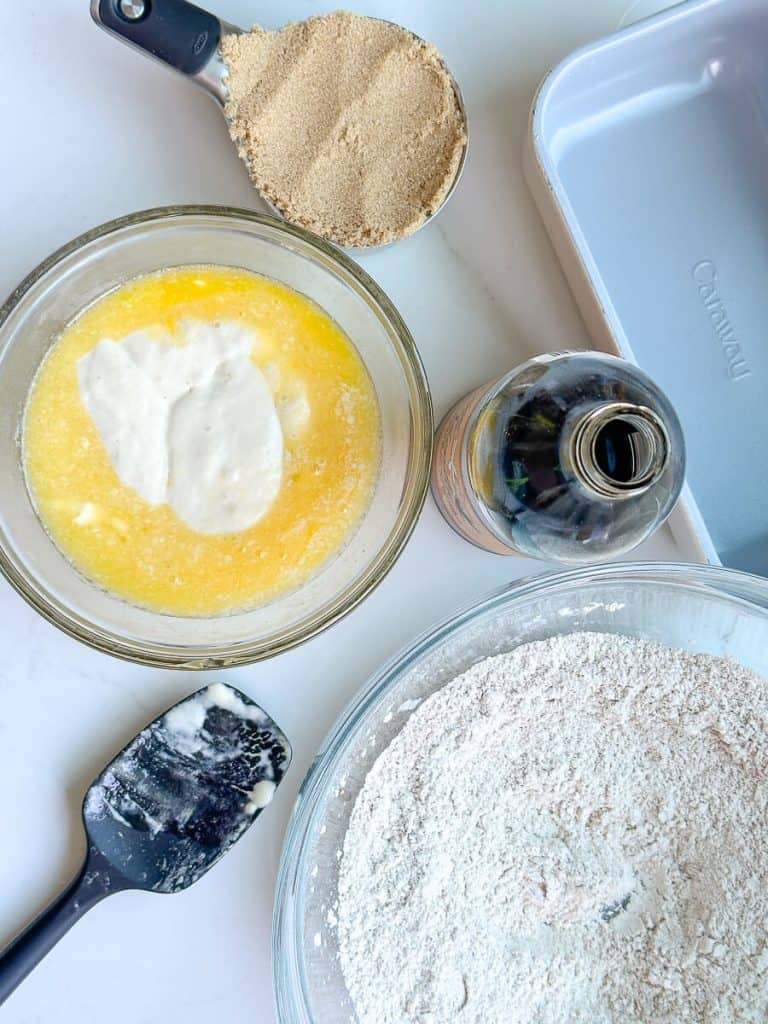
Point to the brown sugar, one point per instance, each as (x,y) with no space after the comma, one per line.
(349,125)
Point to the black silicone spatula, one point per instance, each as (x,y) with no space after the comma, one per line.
(165,810)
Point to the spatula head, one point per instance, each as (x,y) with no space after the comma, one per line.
(184,790)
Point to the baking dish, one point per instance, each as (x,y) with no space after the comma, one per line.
(647,156)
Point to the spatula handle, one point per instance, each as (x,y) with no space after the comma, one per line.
(29,948)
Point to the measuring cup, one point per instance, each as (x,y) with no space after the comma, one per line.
(186,38)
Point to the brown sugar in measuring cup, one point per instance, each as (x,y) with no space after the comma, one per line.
(349,125)
(352,127)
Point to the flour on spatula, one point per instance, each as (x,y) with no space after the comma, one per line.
(573,833)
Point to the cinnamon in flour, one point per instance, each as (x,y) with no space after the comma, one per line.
(349,125)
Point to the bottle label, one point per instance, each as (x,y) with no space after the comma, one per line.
(454,498)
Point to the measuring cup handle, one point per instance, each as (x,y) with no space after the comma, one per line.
(173,31)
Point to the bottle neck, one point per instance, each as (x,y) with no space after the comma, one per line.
(618,449)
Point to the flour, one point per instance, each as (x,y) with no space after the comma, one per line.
(573,833)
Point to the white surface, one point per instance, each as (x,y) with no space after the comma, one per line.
(92,131)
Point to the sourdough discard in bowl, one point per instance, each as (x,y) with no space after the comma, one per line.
(84,271)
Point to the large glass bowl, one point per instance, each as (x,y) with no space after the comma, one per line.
(87,268)
(707,609)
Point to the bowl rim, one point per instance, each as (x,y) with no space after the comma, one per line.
(215,656)
(291,1004)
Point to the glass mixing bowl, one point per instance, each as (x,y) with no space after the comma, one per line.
(73,278)
(698,608)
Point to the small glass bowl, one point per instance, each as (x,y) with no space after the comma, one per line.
(697,608)
(97,262)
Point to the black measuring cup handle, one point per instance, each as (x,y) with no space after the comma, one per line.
(173,31)
(26,951)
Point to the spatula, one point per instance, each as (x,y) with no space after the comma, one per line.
(165,810)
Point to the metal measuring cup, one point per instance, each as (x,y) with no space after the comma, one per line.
(186,38)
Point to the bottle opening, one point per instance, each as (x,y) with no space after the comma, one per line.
(624,450)
(620,449)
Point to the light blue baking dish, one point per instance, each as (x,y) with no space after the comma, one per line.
(648,158)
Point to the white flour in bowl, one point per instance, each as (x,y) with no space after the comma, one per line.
(572,833)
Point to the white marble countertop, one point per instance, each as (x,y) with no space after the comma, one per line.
(92,131)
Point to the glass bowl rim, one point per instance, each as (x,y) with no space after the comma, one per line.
(291,1000)
(176,656)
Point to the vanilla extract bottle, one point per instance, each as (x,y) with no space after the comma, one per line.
(572,457)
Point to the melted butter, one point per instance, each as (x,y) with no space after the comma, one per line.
(144,552)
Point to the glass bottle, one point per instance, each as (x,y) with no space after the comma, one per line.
(572,457)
